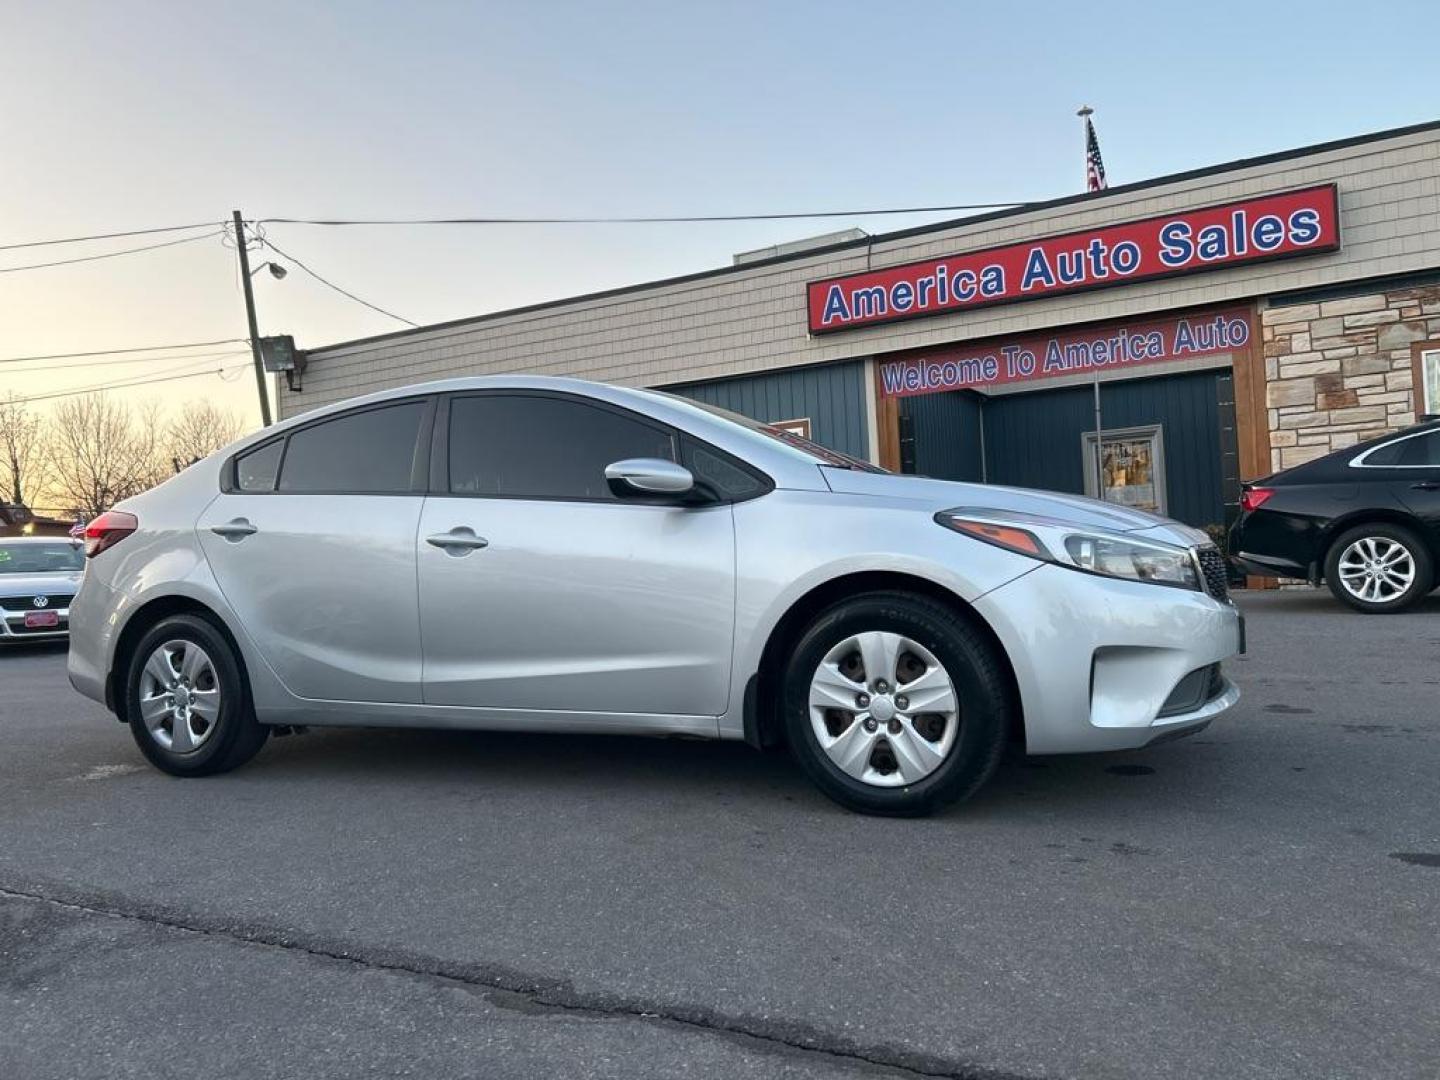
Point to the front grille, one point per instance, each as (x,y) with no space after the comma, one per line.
(55,602)
(1216,571)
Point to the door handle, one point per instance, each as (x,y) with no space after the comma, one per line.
(458,541)
(1427,485)
(235,530)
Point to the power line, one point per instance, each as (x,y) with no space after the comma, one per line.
(111,254)
(173,377)
(337,288)
(127,360)
(110,236)
(128,379)
(678,219)
(135,349)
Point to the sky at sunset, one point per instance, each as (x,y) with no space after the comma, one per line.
(139,115)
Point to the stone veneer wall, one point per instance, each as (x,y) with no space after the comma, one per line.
(1338,372)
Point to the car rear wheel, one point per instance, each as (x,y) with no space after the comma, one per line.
(894,704)
(1379,568)
(186,702)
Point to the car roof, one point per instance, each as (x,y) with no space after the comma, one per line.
(787,466)
(1332,463)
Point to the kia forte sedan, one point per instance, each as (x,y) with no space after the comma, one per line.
(554,555)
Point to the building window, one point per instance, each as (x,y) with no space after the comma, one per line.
(799,426)
(1425,363)
(1130,466)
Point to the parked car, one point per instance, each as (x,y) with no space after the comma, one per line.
(555,555)
(1365,520)
(38,578)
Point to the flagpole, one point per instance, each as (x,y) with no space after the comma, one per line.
(1084,113)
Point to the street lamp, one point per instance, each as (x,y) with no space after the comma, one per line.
(277,271)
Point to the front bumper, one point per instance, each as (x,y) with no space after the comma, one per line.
(1100,662)
(14,631)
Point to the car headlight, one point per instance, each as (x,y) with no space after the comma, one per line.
(1093,551)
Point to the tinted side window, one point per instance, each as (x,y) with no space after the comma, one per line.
(1421,450)
(255,470)
(722,475)
(543,447)
(371,451)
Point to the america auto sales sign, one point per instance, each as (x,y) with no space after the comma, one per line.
(1291,223)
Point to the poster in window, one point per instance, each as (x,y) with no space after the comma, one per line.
(1131,468)
(1127,467)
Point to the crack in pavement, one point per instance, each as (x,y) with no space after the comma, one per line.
(514,989)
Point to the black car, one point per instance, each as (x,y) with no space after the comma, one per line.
(1365,520)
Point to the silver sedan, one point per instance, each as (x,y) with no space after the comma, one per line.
(555,555)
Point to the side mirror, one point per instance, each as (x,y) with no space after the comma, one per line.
(648,476)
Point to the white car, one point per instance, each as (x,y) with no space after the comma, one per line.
(555,555)
(38,576)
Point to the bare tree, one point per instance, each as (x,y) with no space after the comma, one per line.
(102,451)
(23,462)
(201,428)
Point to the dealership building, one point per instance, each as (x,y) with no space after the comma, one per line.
(1154,344)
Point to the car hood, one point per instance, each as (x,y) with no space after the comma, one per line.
(39,584)
(1073,509)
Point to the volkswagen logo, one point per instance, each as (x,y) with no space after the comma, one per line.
(41,601)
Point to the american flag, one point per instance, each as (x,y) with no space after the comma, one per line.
(78,530)
(1094,166)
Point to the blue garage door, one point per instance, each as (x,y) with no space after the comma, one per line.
(1036,439)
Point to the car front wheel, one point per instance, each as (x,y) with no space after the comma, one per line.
(186,701)
(895,704)
(1379,568)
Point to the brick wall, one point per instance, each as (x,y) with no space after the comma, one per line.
(1338,372)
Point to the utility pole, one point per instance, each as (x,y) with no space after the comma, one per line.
(250,317)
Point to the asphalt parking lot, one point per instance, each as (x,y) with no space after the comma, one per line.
(1258,901)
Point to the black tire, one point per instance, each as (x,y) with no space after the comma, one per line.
(236,736)
(976,672)
(1422,583)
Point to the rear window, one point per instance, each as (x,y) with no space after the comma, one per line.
(365,453)
(1417,450)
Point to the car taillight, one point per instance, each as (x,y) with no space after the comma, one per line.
(1253,498)
(107,530)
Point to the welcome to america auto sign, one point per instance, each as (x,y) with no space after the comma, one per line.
(1134,343)
(1301,222)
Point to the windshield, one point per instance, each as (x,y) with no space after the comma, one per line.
(59,557)
(821,455)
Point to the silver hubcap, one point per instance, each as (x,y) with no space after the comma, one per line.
(883,709)
(1376,569)
(179,696)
